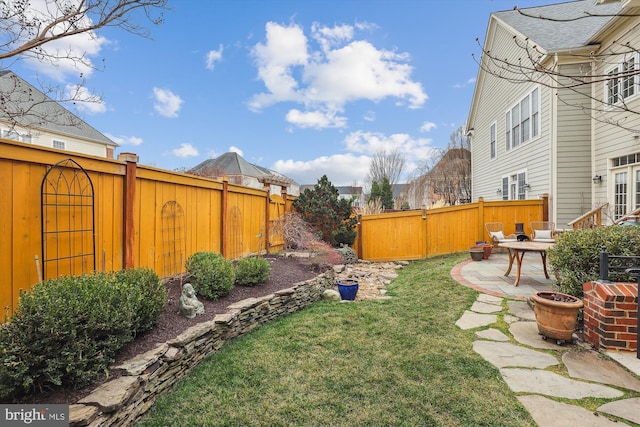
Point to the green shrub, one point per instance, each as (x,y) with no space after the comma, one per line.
(212,276)
(344,235)
(67,331)
(251,271)
(576,255)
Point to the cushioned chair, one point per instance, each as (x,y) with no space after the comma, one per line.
(543,231)
(496,233)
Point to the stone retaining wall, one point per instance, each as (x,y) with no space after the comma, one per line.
(121,401)
(610,315)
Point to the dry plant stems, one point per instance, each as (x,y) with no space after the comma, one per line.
(372,207)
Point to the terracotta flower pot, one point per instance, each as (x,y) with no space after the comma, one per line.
(556,314)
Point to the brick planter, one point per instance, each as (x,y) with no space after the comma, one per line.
(610,315)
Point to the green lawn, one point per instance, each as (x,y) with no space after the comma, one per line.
(391,362)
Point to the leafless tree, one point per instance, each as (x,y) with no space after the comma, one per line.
(385,164)
(535,65)
(36,30)
(445,178)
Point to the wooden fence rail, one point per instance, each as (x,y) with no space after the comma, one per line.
(143,217)
(420,234)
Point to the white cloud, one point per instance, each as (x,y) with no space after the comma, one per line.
(370,116)
(341,71)
(84,100)
(315,119)
(185,150)
(428,126)
(234,149)
(345,169)
(214,56)
(125,140)
(341,169)
(64,57)
(469,82)
(167,104)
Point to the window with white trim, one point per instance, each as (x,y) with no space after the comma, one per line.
(58,144)
(620,194)
(514,186)
(623,81)
(492,135)
(522,121)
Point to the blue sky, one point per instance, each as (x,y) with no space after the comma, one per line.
(304,87)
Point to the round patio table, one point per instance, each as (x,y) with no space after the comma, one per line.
(517,251)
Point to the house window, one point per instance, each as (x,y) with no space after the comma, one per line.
(637,189)
(620,195)
(58,144)
(493,140)
(15,136)
(523,120)
(622,81)
(514,186)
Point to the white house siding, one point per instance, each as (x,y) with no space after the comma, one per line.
(573,152)
(494,97)
(72,144)
(611,141)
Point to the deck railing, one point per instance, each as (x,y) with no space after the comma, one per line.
(591,219)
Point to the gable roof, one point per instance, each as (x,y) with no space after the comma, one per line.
(30,108)
(567,25)
(233,164)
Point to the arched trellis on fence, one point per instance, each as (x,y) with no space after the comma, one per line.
(68,221)
(174,244)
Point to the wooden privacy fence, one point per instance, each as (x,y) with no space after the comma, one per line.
(62,214)
(420,234)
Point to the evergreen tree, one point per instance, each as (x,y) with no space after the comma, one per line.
(386,194)
(331,216)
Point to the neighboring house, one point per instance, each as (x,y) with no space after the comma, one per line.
(28,115)
(448,182)
(241,172)
(567,139)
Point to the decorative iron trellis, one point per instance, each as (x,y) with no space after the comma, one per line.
(68,221)
(174,244)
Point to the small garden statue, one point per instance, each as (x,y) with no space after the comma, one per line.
(189,304)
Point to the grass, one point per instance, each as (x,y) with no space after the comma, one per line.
(399,362)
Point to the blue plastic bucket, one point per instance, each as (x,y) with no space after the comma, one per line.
(348,289)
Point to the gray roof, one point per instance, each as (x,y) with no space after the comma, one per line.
(29,107)
(561,30)
(233,164)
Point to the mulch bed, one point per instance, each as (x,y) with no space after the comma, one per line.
(285,272)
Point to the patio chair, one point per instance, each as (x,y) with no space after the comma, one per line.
(496,233)
(543,231)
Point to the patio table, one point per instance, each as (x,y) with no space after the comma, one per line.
(517,251)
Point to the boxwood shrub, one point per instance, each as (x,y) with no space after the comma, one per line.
(251,271)
(212,276)
(67,331)
(575,257)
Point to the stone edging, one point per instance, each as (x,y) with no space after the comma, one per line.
(123,400)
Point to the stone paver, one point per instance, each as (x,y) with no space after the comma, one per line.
(483,307)
(551,384)
(521,310)
(503,354)
(470,320)
(492,334)
(549,413)
(527,333)
(518,364)
(588,365)
(629,409)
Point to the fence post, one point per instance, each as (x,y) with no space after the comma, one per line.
(129,204)
(604,265)
(223,216)
(480,219)
(267,219)
(545,207)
